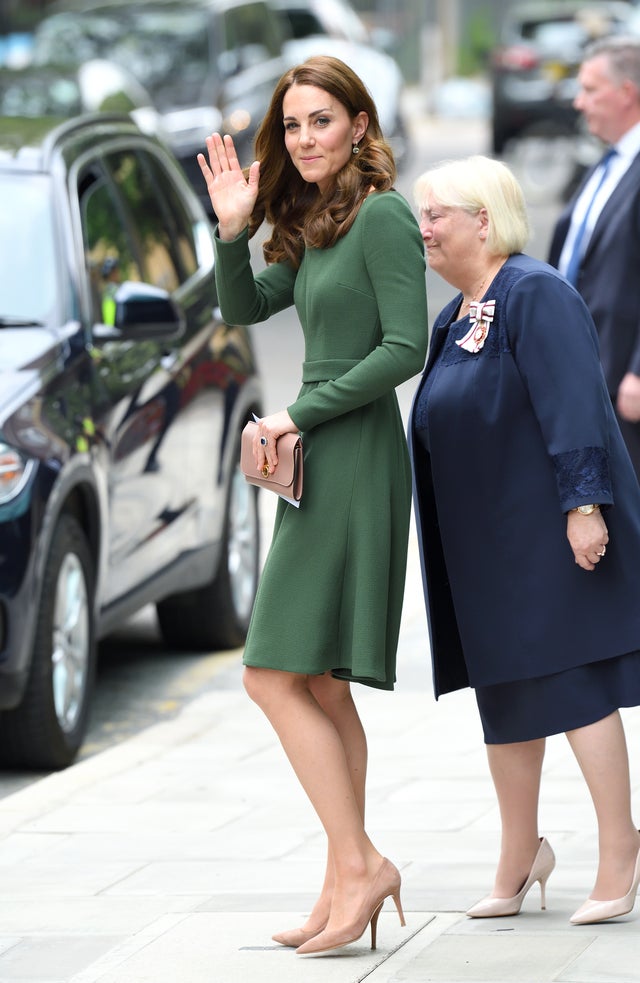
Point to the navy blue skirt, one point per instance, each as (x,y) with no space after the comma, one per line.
(527,709)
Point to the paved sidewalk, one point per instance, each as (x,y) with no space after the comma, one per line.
(172,857)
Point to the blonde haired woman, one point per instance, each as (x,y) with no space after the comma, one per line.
(529,522)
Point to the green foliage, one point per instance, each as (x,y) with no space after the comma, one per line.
(479,38)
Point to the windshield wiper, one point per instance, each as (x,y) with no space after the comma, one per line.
(18,322)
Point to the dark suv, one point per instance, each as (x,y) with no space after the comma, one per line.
(534,68)
(123,394)
(207,64)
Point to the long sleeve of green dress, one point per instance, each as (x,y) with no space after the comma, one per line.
(363,299)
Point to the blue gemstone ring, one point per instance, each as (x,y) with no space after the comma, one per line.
(263,441)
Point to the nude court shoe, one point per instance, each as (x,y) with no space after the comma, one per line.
(297,936)
(385,884)
(599,911)
(541,868)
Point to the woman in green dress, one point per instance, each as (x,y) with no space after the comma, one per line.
(346,250)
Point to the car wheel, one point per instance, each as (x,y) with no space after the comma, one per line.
(48,727)
(217,616)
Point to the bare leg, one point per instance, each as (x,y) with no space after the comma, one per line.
(601,752)
(314,746)
(334,696)
(516,770)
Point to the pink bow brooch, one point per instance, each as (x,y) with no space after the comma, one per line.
(480,318)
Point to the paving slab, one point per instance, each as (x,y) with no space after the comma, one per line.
(213,950)
(501,959)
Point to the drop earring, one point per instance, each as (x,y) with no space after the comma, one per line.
(355,149)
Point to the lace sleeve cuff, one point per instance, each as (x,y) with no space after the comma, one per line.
(583,477)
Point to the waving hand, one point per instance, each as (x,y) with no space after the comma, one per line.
(233,197)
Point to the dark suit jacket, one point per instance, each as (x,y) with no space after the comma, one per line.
(609,278)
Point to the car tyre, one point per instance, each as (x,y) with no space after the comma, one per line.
(47,729)
(217,615)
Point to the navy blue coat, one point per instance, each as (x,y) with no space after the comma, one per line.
(520,433)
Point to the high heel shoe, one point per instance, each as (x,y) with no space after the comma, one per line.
(297,936)
(599,911)
(541,868)
(385,884)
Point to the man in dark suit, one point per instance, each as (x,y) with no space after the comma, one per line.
(596,242)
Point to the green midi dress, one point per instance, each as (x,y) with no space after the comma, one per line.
(331,591)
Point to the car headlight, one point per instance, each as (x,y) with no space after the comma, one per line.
(14,471)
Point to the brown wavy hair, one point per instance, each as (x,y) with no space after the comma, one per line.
(300,215)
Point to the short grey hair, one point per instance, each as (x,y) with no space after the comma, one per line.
(623,56)
(480,182)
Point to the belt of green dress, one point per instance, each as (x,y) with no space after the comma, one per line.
(325,369)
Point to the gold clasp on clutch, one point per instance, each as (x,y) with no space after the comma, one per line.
(265,470)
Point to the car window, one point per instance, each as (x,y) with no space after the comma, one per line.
(167,50)
(558,35)
(163,230)
(67,38)
(302,23)
(144,207)
(108,246)
(568,32)
(250,34)
(177,223)
(25,93)
(136,227)
(28,270)
(332,17)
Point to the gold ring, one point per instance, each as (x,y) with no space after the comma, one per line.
(265,470)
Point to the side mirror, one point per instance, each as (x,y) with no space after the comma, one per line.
(141,312)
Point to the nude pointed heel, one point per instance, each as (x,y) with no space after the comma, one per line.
(386,884)
(374,917)
(541,868)
(296,936)
(599,911)
(374,925)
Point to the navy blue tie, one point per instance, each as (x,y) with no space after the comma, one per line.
(574,261)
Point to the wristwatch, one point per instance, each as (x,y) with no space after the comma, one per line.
(585,509)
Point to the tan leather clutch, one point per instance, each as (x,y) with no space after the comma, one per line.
(286,480)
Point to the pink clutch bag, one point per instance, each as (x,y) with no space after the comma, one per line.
(286,480)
